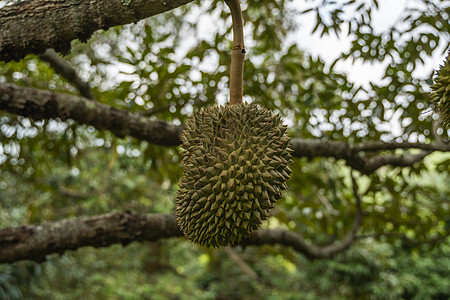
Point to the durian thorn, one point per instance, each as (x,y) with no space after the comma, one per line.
(237,54)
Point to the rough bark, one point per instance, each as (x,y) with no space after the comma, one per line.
(42,104)
(33,26)
(354,154)
(36,242)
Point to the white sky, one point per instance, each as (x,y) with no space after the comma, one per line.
(329,47)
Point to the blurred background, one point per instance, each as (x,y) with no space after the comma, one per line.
(354,71)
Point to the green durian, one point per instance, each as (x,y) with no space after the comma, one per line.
(440,95)
(236,163)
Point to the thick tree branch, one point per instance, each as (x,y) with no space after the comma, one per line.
(394,160)
(41,104)
(35,242)
(354,157)
(380,146)
(34,26)
(63,68)
(315,148)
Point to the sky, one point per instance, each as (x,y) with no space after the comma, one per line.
(329,47)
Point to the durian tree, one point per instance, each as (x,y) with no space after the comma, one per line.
(91,132)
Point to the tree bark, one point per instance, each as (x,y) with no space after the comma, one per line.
(33,26)
(43,104)
(36,242)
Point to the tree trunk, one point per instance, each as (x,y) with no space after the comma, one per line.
(33,26)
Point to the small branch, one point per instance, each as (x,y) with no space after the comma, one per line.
(327,205)
(297,242)
(436,124)
(65,70)
(356,160)
(359,212)
(394,160)
(242,264)
(238,52)
(71,193)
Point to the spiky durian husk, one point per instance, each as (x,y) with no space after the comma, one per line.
(236,163)
(441,91)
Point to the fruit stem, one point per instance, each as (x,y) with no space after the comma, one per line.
(238,52)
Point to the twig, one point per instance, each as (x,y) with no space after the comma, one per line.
(437,137)
(67,71)
(238,52)
(327,205)
(241,264)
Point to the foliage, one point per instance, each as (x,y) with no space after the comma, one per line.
(52,170)
(177,270)
(441,90)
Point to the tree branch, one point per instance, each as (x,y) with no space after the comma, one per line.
(380,146)
(394,160)
(353,156)
(63,68)
(238,52)
(291,239)
(242,264)
(42,104)
(34,26)
(35,242)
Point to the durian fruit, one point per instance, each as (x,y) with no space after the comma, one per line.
(236,163)
(441,91)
